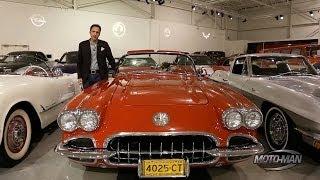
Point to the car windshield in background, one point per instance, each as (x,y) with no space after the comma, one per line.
(274,65)
(202,60)
(17,65)
(72,57)
(139,62)
(161,61)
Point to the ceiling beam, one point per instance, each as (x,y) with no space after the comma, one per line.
(137,8)
(84,5)
(263,3)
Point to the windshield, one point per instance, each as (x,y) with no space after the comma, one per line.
(202,60)
(20,64)
(160,61)
(275,65)
(138,62)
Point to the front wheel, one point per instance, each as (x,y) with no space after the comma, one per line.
(16,138)
(278,130)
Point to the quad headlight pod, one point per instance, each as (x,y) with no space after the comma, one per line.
(87,120)
(234,118)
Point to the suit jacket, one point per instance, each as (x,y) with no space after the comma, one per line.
(84,59)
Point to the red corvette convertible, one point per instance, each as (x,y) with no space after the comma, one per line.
(160,117)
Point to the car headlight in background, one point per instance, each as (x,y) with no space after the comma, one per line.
(87,120)
(67,121)
(234,118)
(253,119)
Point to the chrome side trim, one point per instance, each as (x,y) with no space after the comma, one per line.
(313,135)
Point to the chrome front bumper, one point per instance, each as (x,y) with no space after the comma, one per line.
(96,154)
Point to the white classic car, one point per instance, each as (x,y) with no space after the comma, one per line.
(31,96)
(286,87)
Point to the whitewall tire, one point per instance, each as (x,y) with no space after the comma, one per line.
(16,137)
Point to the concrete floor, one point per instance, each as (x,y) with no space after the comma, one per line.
(43,164)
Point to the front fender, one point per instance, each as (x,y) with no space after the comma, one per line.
(6,106)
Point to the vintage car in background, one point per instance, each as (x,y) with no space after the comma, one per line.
(36,54)
(286,88)
(311,51)
(160,120)
(12,63)
(31,95)
(68,62)
(208,65)
(214,55)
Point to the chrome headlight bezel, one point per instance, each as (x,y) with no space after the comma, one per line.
(94,120)
(62,125)
(78,114)
(229,112)
(247,119)
(244,113)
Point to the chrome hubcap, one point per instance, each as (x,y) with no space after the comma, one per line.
(278,129)
(16,134)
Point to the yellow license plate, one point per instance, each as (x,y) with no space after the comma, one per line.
(163,168)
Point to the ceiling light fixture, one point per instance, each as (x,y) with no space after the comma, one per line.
(281,17)
(311,13)
(193,7)
(212,12)
(160,2)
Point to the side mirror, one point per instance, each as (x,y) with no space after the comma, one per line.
(49,56)
(57,60)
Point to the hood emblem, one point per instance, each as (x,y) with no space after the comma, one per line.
(161,119)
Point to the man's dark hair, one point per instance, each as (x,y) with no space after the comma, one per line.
(95,25)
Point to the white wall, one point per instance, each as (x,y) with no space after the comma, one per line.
(65,28)
(262,25)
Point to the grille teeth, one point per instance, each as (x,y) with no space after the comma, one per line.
(129,149)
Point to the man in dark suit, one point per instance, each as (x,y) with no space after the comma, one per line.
(92,65)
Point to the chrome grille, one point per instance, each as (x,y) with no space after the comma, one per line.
(129,149)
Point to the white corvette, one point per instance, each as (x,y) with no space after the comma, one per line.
(287,89)
(31,96)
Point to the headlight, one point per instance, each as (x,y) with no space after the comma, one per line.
(67,121)
(89,120)
(232,119)
(253,119)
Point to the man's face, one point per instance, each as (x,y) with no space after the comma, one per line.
(95,33)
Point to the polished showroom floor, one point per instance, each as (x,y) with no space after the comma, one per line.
(44,164)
